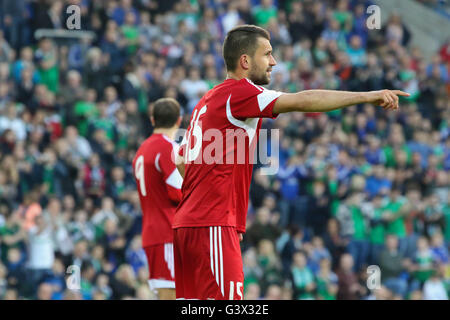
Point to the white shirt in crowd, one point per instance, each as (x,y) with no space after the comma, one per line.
(434,289)
(41,249)
(16,125)
(193,88)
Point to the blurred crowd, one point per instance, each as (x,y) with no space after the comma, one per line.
(356,187)
(440,6)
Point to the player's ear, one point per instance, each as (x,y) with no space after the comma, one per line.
(244,61)
(152,120)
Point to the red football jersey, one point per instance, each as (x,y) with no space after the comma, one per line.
(159,186)
(216,188)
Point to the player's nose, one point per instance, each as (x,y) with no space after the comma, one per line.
(272,62)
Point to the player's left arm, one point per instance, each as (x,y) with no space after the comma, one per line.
(328,100)
(179,155)
(179,162)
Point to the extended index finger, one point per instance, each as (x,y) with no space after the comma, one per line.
(400,93)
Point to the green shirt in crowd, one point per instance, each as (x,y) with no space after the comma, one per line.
(390,156)
(358,224)
(302,278)
(105,124)
(333,188)
(131,33)
(425,262)
(7,231)
(396,226)
(377,232)
(446,212)
(344,18)
(85,110)
(263,15)
(322,287)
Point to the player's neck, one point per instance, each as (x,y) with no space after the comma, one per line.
(169,132)
(236,75)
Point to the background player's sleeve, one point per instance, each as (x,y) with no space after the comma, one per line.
(249,100)
(165,164)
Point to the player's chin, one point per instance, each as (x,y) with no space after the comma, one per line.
(265,80)
(262,79)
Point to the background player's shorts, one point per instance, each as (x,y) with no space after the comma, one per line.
(208,263)
(160,266)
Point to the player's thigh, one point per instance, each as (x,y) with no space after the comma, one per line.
(191,262)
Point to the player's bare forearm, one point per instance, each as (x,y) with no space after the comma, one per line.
(328,100)
(180,168)
(180,165)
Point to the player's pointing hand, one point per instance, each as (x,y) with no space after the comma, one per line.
(388,99)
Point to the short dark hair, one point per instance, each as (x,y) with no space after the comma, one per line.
(165,112)
(241,40)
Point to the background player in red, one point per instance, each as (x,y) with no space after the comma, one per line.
(210,218)
(159,183)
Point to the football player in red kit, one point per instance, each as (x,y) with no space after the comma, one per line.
(210,219)
(159,186)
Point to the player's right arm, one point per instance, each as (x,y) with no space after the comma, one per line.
(328,100)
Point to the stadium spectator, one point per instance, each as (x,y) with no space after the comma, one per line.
(434,288)
(262,228)
(348,286)
(326,281)
(41,255)
(302,278)
(392,265)
(270,264)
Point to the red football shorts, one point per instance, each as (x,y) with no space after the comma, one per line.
(160,266)
(208,263)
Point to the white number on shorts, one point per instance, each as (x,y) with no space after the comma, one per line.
(238,290)
(139,174)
